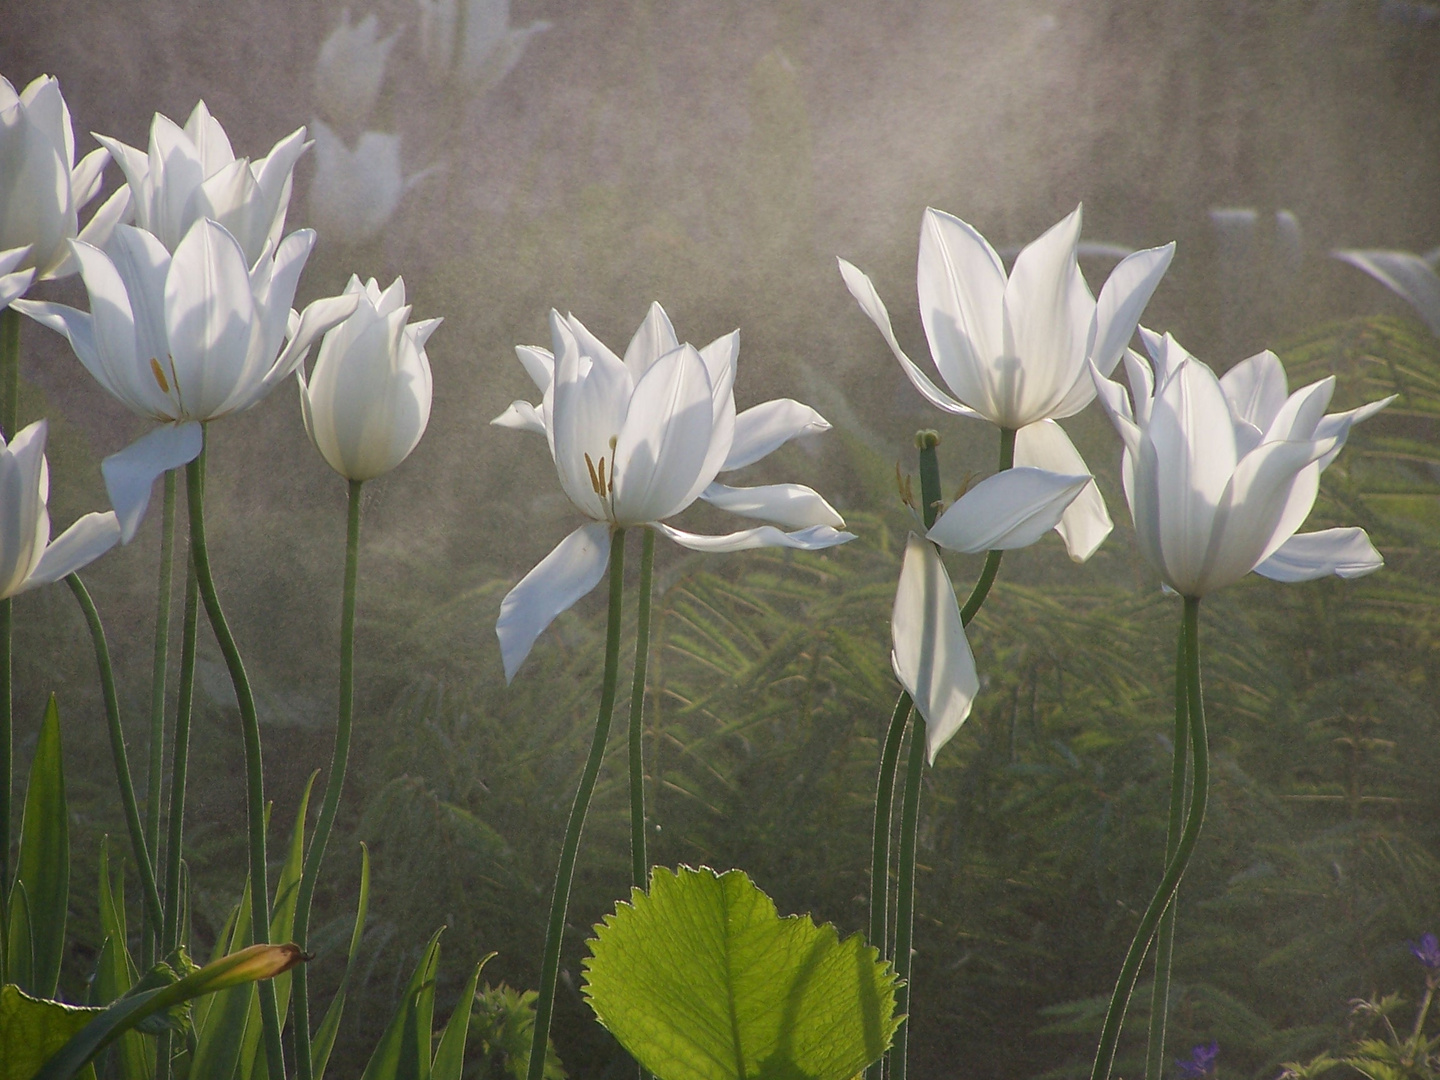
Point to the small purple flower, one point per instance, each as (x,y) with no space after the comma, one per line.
(1427,951)
(1201,1065)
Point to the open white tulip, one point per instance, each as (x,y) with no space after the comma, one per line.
(191,173)
(27,556)
(350,70)
(1220,473)
(355,192)
(367,401)
(636,441)
(472,41)
(1411,276)
(1013,349)
(185,339)
(42,187)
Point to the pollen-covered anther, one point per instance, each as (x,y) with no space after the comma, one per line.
(594,479)
(159,373)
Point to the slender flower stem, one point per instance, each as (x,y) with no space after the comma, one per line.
(153,916)
(9,418)
(1199,747)
(640,864)
(1165,942)
(157,679)
(254,768)
(880,840)
(334,785)
(992,560)
(905,902)
(560,899)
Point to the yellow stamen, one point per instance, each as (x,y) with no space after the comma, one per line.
(594,480)
(159,375)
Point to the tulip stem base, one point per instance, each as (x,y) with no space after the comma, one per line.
(254,765)
(640,864)
(158,674)
(334,786)
(1175,869)
(565,872)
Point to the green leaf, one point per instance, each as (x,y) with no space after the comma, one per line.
(115,971)
(19,945)
(45,856)
(450,1054)
(700,979)
(324,1040)
(221,1031)
(31,1029)
(400,1054)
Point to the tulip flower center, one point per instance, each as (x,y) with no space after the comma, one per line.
(166,384)
(604,485)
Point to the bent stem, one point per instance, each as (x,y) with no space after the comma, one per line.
(334,785)
(1175,870)
(10,404)
(992,559)
(153,917)
(254,770)
(560,899)
(640,864)
(157,683)
(1165,942)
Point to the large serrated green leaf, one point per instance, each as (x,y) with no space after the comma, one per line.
(45,856)
(700,979)
(31,1029)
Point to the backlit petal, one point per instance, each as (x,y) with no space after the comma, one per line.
(815,538)
(1346,553)
(1011,509)
(792,506)
(570,571)
(1086,522)
(131,473)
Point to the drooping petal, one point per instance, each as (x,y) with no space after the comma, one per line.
(77,547)
(792,506)
(961,286)
(766,427)
(1011,509)
(930,653)
(665,440)
(1346,553)
(521,416)
(131,473)
(571,570)
(654,339)
(815,538)
(1086,522)
(1409,275)
(870,303)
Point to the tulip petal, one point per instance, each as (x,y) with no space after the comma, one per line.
(1257,389)
(521,416)
(131,473)
(209,312)
(870,303)
(662,447)
(13,283)
(78,546)
(1011,509)
(654,339)
(930,653)
(1117,407)
(792,506)
(538,364)
(1409,275)
(101,226)
(721,358)
(1346,553)
(766,427)
(88,176)
(815,538)
(587,411)
(960,281)
(1086,522)
(570,571)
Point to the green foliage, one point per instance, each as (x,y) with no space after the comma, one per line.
(43,868)
(504,1028)
(700,979)
(32,1029)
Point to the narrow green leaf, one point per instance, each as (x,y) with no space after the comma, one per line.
(700,979)
(45,856)
(397,1056)
(221,1033)
(19,945)
(450,1054)
(31,1029)
(115,972)
(324,1040)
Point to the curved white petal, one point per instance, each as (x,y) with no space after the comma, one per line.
(1346,553)
(209,317)
(815,538)
(77,547)
(870,303)
(521,416)
(1086,522)
(590,399)
(13,283)
(1338,425)
(131,473)
(961,286)
(764,428)
(666,437)
(571,570)
(1257,389)
(1409,275)
(1011,509)
(1117,407)
(654,339)
(930,653)
(538,363)
(792,506)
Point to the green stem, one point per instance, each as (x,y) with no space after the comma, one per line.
(560,899)
(640,864)
(1199,747)
(334,785)
(992,559)
(254,768)
(153,918)
(1165,942)
(905,902)
(180,758)
(10,404)
(157,681)
(880,839)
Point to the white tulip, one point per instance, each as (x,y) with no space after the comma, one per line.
(42,187)
(355,192)
(472,41)
(1410,276)
(367,401)
(350,70)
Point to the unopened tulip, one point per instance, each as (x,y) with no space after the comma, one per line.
(367,401)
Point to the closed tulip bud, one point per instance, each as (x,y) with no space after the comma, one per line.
(367,401)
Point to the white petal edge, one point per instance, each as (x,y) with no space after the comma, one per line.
(132,472)
(521,416)
(570,571)
(78,546)
(793,506)
(1009,510)
(1086,522)
(815,538)
(929,652)
(762,429)
(1346,553)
